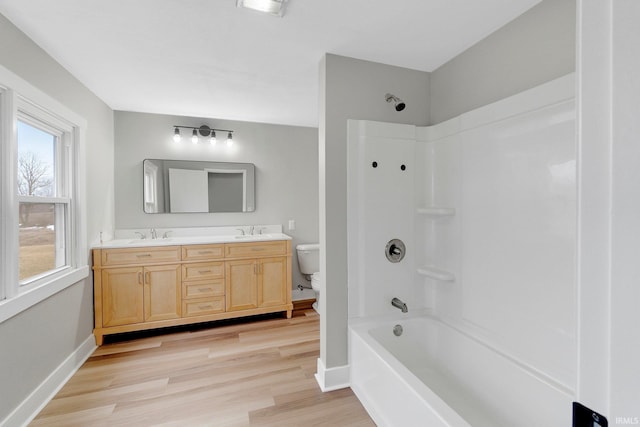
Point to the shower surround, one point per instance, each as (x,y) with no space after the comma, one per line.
(485,204)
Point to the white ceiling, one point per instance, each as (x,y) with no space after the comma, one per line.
(207,58)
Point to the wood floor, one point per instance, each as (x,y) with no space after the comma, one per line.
(258,373)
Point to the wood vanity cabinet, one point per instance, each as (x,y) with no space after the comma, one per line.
(256,282)
(152,287)
(138,294)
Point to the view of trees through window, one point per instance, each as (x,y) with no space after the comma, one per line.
(36,178)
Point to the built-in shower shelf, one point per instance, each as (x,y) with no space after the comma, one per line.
(436,273)
(437,212)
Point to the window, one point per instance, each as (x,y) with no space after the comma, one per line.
(42,237)
(43,198)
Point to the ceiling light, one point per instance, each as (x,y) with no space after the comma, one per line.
(194,137)
(230,139)
(272,7)
(213,137)
(176,135)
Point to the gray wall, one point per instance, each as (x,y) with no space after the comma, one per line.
(536,47)
(352,89)
(286,160)
(37,340)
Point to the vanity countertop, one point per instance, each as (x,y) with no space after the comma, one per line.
(190,240)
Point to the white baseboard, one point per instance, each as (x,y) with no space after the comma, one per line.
(332,378)
(33,404)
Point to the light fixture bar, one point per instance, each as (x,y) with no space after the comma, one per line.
(204,131)
(272,7)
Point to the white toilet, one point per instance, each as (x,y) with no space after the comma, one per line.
(309,263)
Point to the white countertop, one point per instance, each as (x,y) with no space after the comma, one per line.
(190,240)
(193,236)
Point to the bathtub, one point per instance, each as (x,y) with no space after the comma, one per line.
(435,375)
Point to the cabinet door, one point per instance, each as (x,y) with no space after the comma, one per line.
(162,292)
(122,296)
(241,284)
(272,281)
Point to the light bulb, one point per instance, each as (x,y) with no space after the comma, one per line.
(176,135)
(229,139)
(213,138)
(194,137)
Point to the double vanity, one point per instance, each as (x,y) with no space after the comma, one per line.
(143,284)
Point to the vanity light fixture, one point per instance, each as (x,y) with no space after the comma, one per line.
(204,131)
(272,7)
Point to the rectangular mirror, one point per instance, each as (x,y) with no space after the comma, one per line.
(186,186)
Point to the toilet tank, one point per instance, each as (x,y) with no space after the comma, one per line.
(309,258)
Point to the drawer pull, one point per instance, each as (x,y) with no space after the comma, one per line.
(205,307)
(258,249)
(205,252)
(204,271)
(139,277)
(143,255)
(204,289)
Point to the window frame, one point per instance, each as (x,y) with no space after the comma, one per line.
(19,100)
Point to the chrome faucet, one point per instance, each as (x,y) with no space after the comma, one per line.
(397,303)
(251,230)
(142,235)
(154,233)
(241,230)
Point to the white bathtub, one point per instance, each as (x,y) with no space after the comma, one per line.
(434,375)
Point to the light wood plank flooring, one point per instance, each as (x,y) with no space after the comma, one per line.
(257,373)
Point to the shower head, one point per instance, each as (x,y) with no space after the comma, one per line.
(399,103)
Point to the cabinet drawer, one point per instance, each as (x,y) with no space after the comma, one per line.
(203,270)
(202,306)
(140,255)
(202,252)
(203,288)
(251,250)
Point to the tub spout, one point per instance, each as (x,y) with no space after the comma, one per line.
(397,303)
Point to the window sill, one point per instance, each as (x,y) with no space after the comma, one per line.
(12,306)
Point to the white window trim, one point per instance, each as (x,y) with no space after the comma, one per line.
(14,91)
